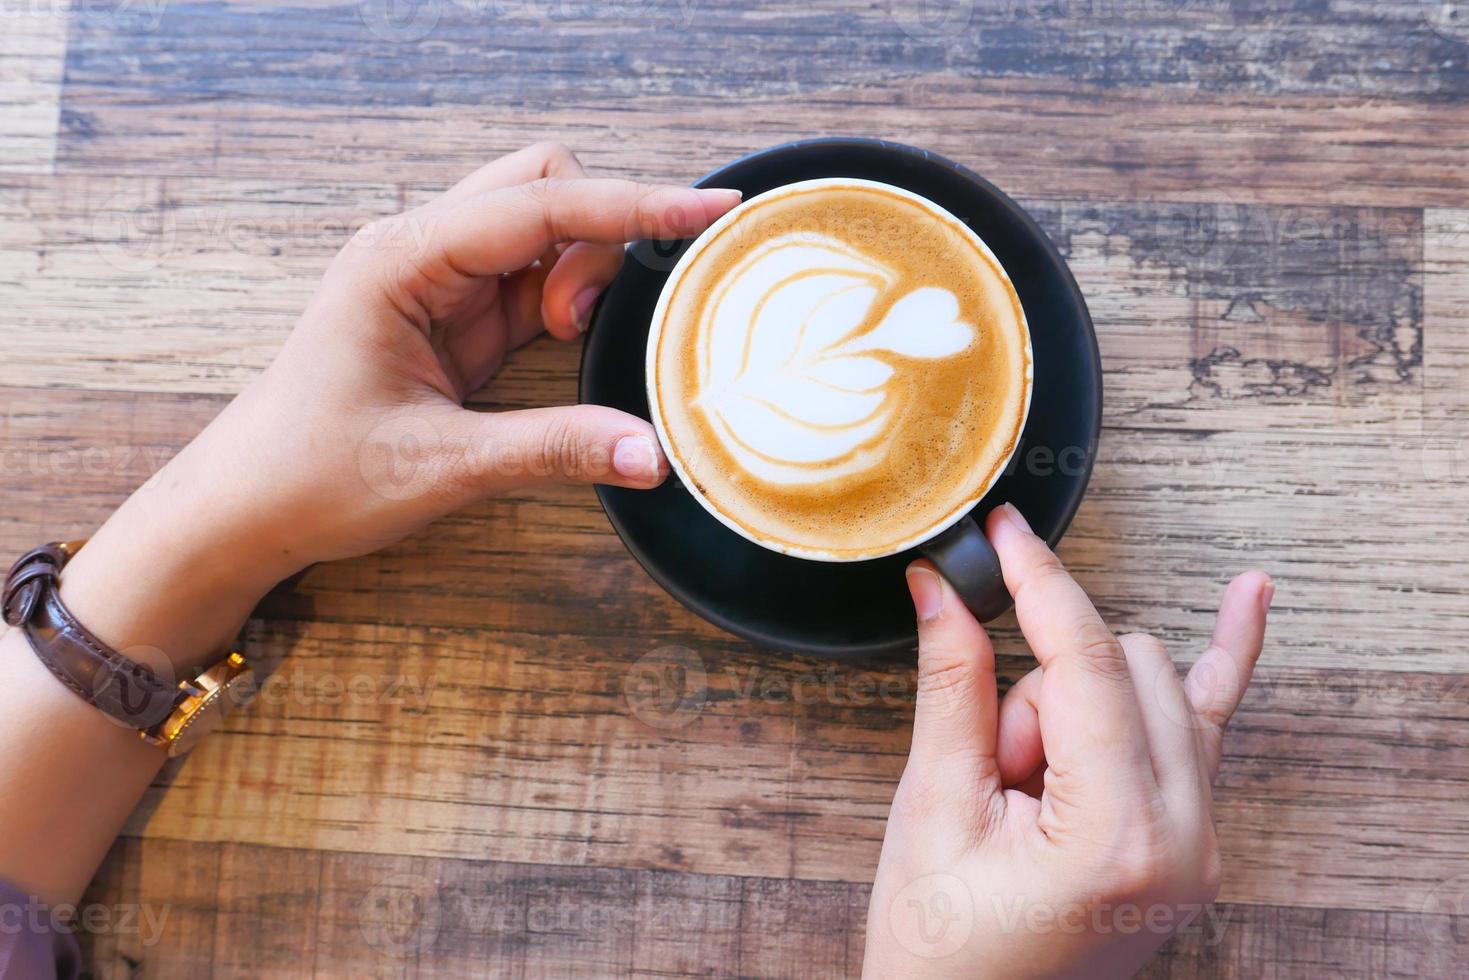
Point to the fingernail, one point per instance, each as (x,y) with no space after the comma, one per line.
(1267,595)
(636,458)
(728,196)
(1013,515)
(581,307)
(927,591)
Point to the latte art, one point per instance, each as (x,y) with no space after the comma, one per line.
(838,369)
(795,392)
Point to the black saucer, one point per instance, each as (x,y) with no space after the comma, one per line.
(856,608)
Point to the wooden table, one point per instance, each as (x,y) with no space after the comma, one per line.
(465,764)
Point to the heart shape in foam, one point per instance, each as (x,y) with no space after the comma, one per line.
(793,386)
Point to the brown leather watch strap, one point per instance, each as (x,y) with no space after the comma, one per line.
(126,690)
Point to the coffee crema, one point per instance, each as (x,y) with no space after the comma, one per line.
(839,369)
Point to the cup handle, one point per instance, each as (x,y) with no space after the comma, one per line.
(964,556)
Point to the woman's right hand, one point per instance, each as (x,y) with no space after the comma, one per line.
(1070,829)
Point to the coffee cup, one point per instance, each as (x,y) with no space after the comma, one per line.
(857,607)
(839,370)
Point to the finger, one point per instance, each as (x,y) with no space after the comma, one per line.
(1089,715)
(424,262)
(1020,751)
(955,717)
(506,230)
(573,291)
(575,282)
(522,293)
(1167,717)
(569,444)
(495,317)
(548,158)
(1218,679)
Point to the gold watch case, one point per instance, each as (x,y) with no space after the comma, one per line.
(211,697)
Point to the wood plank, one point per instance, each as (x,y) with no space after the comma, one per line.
(787,922)
(376,916)
(1270,457)
(58,438)
(1218,316)
(516,747)
(158,911)
(268,928)
(122,283)
(1446,360)
(32,61)
(1076,141)
(578,51)
(1271,943)
(693,925)
(1202,308)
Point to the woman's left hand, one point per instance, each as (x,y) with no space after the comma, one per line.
(359,423)
(353,438)
(356,435)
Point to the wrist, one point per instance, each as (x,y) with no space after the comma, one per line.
(170,579)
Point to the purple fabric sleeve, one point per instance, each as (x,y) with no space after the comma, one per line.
(33,944)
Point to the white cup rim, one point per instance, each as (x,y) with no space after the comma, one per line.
(655,333)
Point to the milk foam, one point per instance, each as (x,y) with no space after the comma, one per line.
(794,394)
(838,369)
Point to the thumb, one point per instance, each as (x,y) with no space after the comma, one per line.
(957,711)
(569,444)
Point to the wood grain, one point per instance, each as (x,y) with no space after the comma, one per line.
(376,916)
(198,281)
(357,54)
(529,747)
(497,749)
(1104,99)
(32,61)
(1032,137)
(1446,378)
(469,654)
(1265,373)
(190,284)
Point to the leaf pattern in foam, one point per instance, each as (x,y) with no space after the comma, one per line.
(790,388)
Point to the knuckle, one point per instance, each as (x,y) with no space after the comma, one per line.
(375,260)
(940,672)
(382,244)
(461,470)
(372,231)
(1145,642)
(558,453)
(1139,871)
(1100,652)
(542,193)
(542,189)
(1044,563)
(554,152)
(1043,574)
(362,247)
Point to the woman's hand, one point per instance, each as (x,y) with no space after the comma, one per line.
(356,436)
(1068,830)
(358,425)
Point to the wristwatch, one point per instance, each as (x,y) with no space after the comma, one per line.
(172,716)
